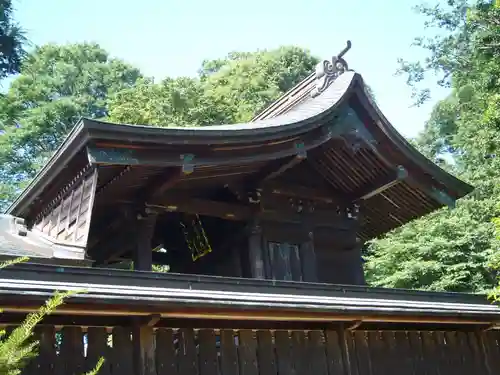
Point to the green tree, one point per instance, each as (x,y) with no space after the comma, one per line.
(454,250)
(228,90)
(242,84)
(57,85)
(12,40)
(172,102)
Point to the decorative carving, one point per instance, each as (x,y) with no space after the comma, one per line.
(327,71)
(302,206)
(352,212)
(297,205)
(254,196)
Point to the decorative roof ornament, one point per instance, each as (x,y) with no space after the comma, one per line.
(327,71)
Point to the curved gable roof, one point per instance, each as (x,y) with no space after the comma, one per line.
(312,125)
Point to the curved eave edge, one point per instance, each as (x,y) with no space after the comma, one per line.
(72,144)
(306,116)
(459,187)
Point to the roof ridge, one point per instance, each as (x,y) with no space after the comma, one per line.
(314,84)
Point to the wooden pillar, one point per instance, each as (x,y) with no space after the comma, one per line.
(143,339)
(308,258)
(348,267)
(361,268)
(142,331)
(255,251)
(143,255)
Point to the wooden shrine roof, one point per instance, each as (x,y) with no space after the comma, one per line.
(327,123)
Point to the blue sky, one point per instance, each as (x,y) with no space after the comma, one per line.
(171,38)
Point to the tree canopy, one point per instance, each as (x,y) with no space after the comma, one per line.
(228,90)
(453,250)
(12,41)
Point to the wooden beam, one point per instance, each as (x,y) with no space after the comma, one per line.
(143,254)
(228,211)
(267,173)
(304,192)
(157,187)
(240,212)
(273,171)
(381,185)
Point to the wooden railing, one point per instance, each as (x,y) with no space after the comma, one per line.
(188,351)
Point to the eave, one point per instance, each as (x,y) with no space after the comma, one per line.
(120,293)
(74,143)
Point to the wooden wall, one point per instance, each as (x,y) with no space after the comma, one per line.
(298,252)
(338,256)
(67,217)
(189,351)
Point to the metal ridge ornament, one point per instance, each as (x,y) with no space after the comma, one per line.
(328,71)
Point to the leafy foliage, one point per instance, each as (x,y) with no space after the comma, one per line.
(12,40)
(228,90)
(454,250)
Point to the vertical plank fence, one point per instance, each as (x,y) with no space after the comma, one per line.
(187,351)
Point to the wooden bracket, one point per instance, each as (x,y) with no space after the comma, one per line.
(148,321)
(355,324)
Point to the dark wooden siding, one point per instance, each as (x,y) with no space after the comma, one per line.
(192,351)
(67,218)
(302,253)
(338,256)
